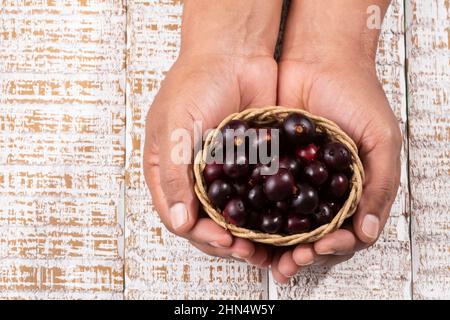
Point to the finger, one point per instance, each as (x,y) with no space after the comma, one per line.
(277,275)
(260,257)
(286,265)
(206,231)
(210,250)
(304,255)
(242,249)
(339,242)
(382,168)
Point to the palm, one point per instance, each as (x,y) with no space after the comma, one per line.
(210,91)
(350,96)
(201,89)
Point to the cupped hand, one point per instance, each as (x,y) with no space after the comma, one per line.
(347,91)
(202,89)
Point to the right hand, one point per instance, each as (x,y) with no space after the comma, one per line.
(204,88)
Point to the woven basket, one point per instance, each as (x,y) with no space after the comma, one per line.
(269,115)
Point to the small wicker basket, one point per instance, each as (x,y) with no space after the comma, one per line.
(270,115)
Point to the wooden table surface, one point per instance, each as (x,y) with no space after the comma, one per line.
(76,220)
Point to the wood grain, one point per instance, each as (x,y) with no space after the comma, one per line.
(383,271)
(428,44)
(158,264)
(62,152)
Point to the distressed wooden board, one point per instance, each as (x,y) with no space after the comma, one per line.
(158,264)
(383,271)
(62,148)
(428,45)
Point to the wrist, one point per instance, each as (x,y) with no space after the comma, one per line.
(334,30)
(230,27)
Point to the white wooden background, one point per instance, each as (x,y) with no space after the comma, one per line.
(76,221)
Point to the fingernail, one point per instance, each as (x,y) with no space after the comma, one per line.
(325,252)
(178,215)
(371,226)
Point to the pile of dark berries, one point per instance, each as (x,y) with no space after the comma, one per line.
(307,190)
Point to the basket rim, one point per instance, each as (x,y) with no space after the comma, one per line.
(348,208)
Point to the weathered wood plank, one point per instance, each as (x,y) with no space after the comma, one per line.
(159,265)
(62,152)
(383,271)
(428,44)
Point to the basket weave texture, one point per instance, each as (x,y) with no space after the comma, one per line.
(273,114)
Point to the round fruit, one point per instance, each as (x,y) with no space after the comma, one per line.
(334,206)
(338,185)
(261,143)
(213,171)
(234,131)
(258,174)
(297,224)
(234,212)
(282,206)
(238,168)
(324,214)
(271,222)
(336,156)
(253,220)
(320,138)
(298,128)
(241,188)
(316,172)
(291,164)
(257,198)
(219,192)
(305,201)
(307,154)
(279,186)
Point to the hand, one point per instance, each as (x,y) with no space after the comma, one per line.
(210,80)
(338,80)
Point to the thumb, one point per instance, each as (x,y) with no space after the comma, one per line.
(382,168)
(176,175)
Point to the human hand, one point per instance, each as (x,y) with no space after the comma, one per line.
(225,65)
(328,68)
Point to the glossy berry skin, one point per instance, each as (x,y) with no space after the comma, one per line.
(253,220)
(316,172)
(238,168)
(336,156)
(307,154)
(324,214)
(279,186)
(320,138)
(334,206)
(212,171)
(338,185)
(299,129)
(305,201)
(291,164)
(220,192)
(256,175)
(271,222)
(281,206)
(234,132)
(234,212)
(241,188)
(297,224)
(257,198)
